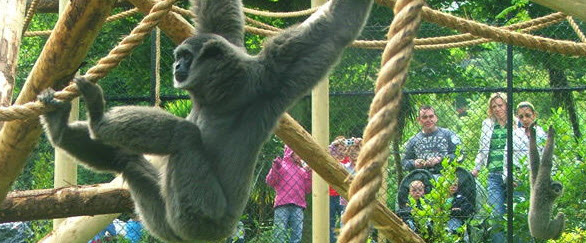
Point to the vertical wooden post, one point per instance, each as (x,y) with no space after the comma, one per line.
(320,129)
(11,24)
(65,165)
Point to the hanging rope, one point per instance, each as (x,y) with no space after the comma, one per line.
(29,15)
(382,120)
(576,28)
(105,65)
(158,67)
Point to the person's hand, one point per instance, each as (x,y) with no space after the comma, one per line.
(434,161)
(419,163)
(474,172)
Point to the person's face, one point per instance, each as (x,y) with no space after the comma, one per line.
(499,108)
(526,116)
(427,120)
(416,191)
(453,189)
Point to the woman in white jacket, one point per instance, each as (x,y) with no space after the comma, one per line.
(492,154)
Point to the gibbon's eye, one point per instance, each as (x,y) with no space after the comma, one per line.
(182,65)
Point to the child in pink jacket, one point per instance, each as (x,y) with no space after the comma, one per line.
(291,181)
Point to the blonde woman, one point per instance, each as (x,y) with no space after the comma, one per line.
(492,155)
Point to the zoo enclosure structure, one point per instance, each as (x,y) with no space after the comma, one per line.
(416,47)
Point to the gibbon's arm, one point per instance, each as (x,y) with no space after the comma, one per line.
(221,17)
(300,56)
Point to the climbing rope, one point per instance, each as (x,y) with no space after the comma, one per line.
(280,14)
(483,40)
(552,18)
(105,65)
(576,28)
(382,120)
(29,14)
(500,35)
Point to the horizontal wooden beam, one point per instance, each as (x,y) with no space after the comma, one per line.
(64,202)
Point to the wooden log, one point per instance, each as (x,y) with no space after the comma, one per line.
(64,51)
(576,8)
(11,23)
(81,229)
(64,202)
(320,161)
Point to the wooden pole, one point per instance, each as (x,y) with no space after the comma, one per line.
(64,202)
(65,166)
(320,129)
(81,229)
(11,23)
(67,46)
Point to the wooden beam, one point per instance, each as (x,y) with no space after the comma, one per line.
(64,202)
(11,24)
(320,161)
(64,51)
(576,8)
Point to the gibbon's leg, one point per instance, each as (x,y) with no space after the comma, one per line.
(146,130)
(74,138)
(196,203)
(143,180)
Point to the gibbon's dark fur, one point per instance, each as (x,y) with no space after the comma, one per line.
(544,191)
(209,157)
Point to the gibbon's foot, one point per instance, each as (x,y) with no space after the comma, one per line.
(47,97)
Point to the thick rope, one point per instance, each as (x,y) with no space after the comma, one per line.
(552,18)
(105,65)
(382,122)
(500,35)
(482,40)
(281,14)
(576,28)
(29,15)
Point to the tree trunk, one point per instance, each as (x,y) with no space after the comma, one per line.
(64,51)
(64,202)
(557,79)
(11,24)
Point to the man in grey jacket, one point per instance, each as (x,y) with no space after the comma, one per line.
(431,145)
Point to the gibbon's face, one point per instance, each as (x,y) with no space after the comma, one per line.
(526,116)
(194,60)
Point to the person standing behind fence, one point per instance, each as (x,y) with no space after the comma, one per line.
(291,181)
(527,115)
(338,150)
(431,145)
(492,154)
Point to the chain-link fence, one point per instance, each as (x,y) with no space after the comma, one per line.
(457,83)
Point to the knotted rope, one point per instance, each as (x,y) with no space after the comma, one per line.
(382,120)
